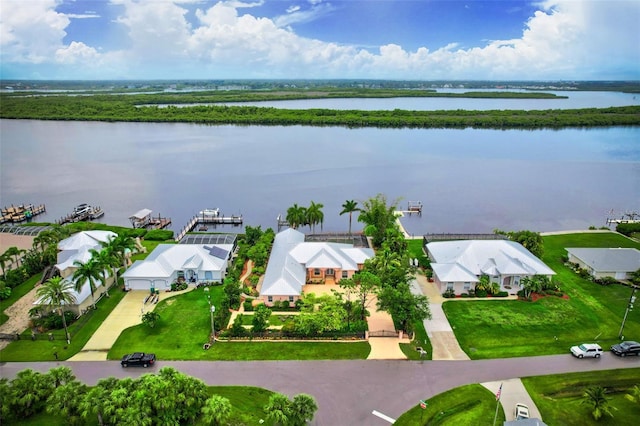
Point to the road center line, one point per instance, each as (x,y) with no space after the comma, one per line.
(383,417)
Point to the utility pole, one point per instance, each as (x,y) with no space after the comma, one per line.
(632,300)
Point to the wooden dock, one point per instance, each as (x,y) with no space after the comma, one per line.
(144,219)
(92,214)
(201,223)
(21,212)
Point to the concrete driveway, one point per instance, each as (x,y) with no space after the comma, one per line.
(513,392)
(126,314)
(443,341)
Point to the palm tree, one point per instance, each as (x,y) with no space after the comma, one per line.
(314,215)
(595,397)
(117,248)
(14,252)
(296,216)
(216,410)
(56,292)
(634,394)
(3,264)
(90,271)
(350,206)
(105,260)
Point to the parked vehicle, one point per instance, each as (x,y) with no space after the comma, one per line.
(521,411)
(587,350)
(138,359)
(626,348)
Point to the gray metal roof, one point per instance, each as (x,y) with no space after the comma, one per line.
(608,259)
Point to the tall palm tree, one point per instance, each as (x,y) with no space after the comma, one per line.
(3,264)
(596,397)
(296,216)
(314,215)
(117,248)
(90,271)
(105,260)
(14,252)
(56,292)
(350,206)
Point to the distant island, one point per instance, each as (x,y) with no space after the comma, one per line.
(138,102)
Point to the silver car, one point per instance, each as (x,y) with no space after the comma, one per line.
(587,350)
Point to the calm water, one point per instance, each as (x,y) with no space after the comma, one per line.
(468,180)
(574,100)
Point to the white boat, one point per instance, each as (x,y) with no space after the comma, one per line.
(209,213)
(81,210)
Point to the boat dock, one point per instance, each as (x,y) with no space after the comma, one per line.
(21,212)
(202,220)
(144,219)
(81,213)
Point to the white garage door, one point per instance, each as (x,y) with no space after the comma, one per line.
(138,285)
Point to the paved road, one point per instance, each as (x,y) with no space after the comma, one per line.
(348,391)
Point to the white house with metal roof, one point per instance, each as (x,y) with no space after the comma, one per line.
(458,265)
(617,263)
(78,248)
(169,263)
(293,263)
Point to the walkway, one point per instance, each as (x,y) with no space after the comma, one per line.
(126,314)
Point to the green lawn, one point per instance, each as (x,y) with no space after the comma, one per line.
(466,405)
(559,397)
(184,327)
(494,329)
(81,331)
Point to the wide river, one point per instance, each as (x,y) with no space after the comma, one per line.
(468,180)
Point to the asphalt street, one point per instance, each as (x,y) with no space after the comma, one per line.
(347,392)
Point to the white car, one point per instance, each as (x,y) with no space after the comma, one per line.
(521,412)
(587,350)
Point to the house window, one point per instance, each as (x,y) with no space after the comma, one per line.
(208,275)
(345,274)
(467,286)
(449,286)
(316,272)
(330,271)
(516,280)
(291,299)
(180,274)
(270,299)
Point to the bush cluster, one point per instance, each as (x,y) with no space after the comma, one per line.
(52,321)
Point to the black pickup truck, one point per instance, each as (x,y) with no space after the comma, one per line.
(138,359)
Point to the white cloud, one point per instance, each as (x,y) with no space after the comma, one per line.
(30,34)
(563,40)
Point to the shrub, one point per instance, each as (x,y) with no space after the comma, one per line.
(53,320)
(248,305)
(628,228)
(158,235)
(501,294)
(465,295)
(605,281)
(449,293)
(481,293)
(284,304)
(237,330)
(5,291)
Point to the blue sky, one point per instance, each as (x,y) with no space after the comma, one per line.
(370,39)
